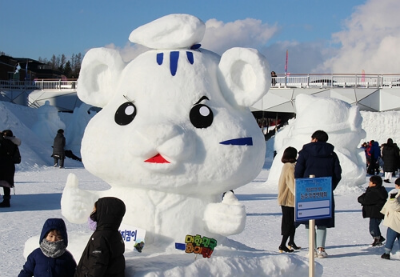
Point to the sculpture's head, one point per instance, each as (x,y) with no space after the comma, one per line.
(176,118)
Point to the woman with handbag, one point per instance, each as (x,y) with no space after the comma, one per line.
(8,146)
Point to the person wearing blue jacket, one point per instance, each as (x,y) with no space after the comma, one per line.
(317,158)
(52,258)
(375,154)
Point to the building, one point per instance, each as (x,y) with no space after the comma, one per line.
(25,69)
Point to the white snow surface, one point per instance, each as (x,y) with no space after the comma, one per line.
(38,189)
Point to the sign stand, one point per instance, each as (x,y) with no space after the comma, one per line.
(311,244)
(313,200)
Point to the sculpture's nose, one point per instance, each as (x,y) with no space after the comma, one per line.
(160,133)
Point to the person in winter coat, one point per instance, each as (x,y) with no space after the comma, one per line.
(391,211)
(390,157)
(58,148)
(374,152)
(318,158)
(372,201)
(104,252)
(52,257)
(8,145)
(286,199)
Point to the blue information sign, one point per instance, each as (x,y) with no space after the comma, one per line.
(313,198)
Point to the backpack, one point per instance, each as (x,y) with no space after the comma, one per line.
(16,158)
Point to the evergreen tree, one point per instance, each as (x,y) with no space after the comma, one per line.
(76,62)
(67,69)
(61,62)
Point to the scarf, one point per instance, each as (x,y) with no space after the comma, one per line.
(53,249)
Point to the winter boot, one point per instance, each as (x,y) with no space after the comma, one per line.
(377,241)
(5,203)
(293,246)
(284,249)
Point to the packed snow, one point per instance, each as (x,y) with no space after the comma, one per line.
(39,186)
(169,148)
(164,144)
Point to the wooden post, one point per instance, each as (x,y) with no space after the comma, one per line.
(311,238)
(311,244)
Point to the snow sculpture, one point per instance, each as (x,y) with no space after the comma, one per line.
(76,126)
(47,124)
(174,132)
(340,120)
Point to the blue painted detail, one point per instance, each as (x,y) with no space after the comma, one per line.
(195,46)
(160,58)
(173,62)
(190,57)
(238,141)
(180,246)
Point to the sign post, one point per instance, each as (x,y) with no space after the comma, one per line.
(313,200)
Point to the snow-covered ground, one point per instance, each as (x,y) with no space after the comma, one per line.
(39,186)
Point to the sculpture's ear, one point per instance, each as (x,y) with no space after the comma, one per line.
(244,76)
(99,75)
(355,118)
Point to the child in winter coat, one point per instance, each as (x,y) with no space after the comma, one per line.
(391,210)
(104,252)
(372,201)
(51,258)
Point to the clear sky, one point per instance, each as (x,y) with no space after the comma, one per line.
(319,34)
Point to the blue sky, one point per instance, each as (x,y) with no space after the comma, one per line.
(306,28)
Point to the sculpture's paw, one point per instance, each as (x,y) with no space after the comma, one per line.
(76,204)
(225,218)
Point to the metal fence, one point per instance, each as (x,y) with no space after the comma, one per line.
(289,81)
(337,81)
(39,84)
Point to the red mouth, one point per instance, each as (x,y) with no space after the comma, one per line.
(157,159)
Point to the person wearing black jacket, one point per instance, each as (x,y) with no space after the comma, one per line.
(58,148)
(8,146)
(372,201)
(104,252)
(390,157)
(318,159)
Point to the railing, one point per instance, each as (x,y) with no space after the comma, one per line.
(337,81)
(43,84)
(289,81)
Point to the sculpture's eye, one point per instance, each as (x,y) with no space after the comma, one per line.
(201,116)
(125,114)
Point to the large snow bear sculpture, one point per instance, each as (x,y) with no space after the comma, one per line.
(175,132)
(340,120)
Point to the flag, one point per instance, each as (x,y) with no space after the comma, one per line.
(286,63)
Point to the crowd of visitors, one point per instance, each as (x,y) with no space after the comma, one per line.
(382,159)
(318,159)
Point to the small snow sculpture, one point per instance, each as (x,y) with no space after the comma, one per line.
(340,120)
(48,123)
(175,132)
